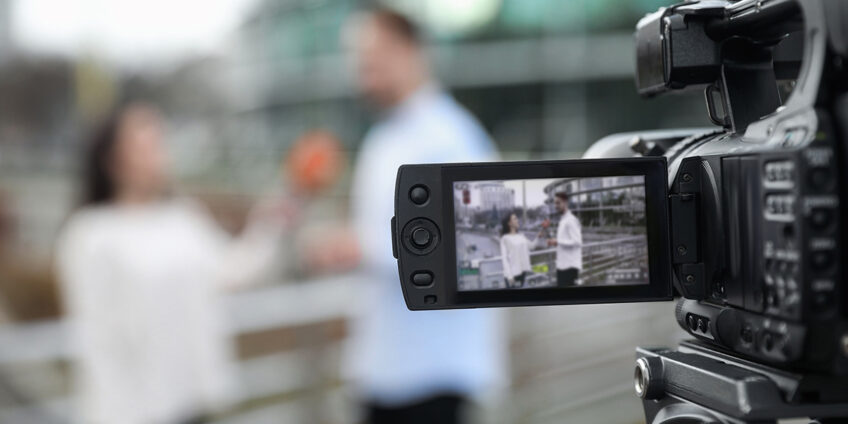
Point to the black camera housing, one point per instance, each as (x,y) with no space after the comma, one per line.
(757,246)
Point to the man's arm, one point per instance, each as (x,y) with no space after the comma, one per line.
(570,234)
(577,230)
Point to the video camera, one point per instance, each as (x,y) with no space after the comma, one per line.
(745,224)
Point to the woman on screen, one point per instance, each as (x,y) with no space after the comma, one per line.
(515,252)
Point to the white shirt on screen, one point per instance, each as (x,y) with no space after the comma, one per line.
(515,254)
(395,355)
(569,251)
(141,287)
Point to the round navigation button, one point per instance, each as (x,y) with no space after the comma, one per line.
(419,195)
(421,237)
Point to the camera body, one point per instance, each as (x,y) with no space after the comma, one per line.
(745,224)
(760,201)
(756,245)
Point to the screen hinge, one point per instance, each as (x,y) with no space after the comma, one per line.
(684,238)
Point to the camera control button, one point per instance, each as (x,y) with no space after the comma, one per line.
(703,324)
(822,302)
(419,195)
(394,237)
(747,334)
(422,279)
(820,218)
(819,178)
(767,341)
(692,322)
(821,261)
(421,237)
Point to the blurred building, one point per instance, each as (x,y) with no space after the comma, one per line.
(5,30)
(495,196)
(541,76)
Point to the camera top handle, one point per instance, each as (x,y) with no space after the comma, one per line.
(736,50)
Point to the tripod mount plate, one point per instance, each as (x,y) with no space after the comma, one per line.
(696,381)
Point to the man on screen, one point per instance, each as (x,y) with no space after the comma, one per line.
(568,242)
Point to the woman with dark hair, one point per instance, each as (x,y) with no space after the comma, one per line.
(141,272)
(515,252)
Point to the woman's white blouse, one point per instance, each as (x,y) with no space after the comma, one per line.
(515,254)
(141,287)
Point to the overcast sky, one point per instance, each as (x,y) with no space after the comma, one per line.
(126,32)
(535,191)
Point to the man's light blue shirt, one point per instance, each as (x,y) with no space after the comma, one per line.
(396,355)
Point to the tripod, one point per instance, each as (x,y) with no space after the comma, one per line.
(696,384)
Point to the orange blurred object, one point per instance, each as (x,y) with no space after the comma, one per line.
(315,162)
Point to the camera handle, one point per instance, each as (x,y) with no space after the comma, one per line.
(747,86)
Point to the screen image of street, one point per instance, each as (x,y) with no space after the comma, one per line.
(550,233)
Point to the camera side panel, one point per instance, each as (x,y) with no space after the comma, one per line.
(420,239)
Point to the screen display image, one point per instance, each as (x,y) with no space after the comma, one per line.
(550,233)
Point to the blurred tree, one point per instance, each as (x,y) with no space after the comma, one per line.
(94,89)
(37,101)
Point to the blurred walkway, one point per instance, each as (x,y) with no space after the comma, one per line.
(566,361)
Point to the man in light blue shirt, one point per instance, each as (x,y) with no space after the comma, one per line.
(411,367)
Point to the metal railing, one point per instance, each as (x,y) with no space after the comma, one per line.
(599,257)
